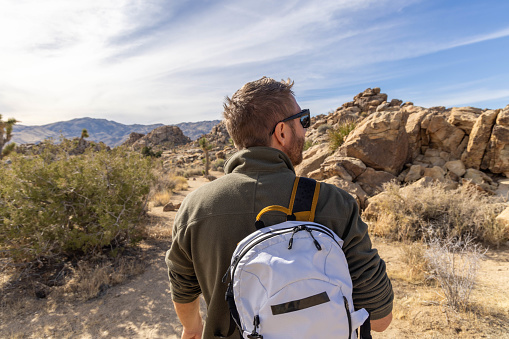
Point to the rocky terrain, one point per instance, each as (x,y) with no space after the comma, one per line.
(396,141)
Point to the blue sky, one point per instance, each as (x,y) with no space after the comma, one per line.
(154,61)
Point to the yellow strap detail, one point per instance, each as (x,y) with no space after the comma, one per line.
(315,201)
(272,208)
(302,215)
(294,192)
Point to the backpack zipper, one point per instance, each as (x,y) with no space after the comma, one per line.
(349,316)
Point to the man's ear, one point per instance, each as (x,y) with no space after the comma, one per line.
(281,135)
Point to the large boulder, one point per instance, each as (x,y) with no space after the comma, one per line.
(479,139)
(312,159)
(380,142)
(496,158)
(345,167)
(434,172)
(415,173)
(372,181)
(352,188)
(133,137)
(166,136)
(457,167)
(464,117)
(414,130)
(444,136)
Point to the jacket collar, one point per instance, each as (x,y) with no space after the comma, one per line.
(258,159)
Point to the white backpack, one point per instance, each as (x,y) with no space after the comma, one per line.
(291,280)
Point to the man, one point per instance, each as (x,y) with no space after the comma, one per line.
(268,127)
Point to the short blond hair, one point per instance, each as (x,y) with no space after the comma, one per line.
(254,110)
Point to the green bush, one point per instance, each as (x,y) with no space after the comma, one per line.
(148,152)
(337,135)
(307,145)
(55,204)
(219,163)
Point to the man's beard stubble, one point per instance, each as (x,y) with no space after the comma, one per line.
(294,152)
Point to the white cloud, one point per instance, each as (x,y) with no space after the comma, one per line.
(169,61)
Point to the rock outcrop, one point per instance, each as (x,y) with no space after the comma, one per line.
(405,143)
(161,137)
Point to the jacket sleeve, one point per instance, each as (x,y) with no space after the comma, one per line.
(372,288)
(184,285)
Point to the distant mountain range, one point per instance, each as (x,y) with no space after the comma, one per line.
(110,132)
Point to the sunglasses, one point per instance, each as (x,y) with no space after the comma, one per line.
(304,117)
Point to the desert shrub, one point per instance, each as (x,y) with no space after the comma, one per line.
(307,144)
(337,135)
(219,163)
(165,181)
(406,213)
(164,185)
(161,198)
(454,264)
(55,204)
(148,152)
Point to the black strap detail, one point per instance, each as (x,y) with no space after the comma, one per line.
(234,314)
(259,224)
(291,217)
(304,195)
(365,330)
(297,305)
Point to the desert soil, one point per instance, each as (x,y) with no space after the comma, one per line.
(142,308)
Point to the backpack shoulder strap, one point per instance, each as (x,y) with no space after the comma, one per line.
(302,202)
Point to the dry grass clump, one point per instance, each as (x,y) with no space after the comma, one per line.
(405,213)
(179,183)
(414,257)
(161,198)
(91,280)
(164,186)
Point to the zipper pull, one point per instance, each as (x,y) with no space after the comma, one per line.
(295,230)
(225,276)
(256,324)
(317,244)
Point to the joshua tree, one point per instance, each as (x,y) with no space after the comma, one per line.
(81,141)
(84,134)
(206,147)
(6,135)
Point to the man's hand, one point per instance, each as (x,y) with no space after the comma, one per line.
(192,334)
(189,315)
(381,325)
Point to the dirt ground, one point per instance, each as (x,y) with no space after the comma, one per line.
(142,308)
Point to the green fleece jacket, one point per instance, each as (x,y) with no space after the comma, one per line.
(214,218)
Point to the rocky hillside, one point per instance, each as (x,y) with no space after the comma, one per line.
(163,137)
(100,130)
(396,141)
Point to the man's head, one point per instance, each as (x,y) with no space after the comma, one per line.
(254,116)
